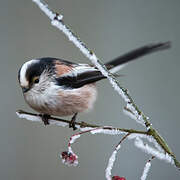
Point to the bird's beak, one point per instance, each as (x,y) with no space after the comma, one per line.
(25,89)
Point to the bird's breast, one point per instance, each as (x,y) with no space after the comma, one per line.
(63,102)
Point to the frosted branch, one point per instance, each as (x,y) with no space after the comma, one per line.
(111,163)
(130,111)
(150,150)
(82,126)
(37,118)
(113,158)
(70,158)
(56,20)
(160,152)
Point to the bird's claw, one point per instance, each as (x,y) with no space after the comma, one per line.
(72,122)
(45,118)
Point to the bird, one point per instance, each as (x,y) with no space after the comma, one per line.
(57,87)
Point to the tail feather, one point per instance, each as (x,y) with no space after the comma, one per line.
(116,64)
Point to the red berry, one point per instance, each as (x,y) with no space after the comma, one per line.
(69,158)
(118,178)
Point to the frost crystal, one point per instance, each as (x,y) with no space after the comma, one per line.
(152,140)
(134,136)
(44,7)
(58,123)
(111,162)
(149,138)
(39,119)
(146,170)
(29,117)
(107,131)
(86,129)
(148,149)
(132,113)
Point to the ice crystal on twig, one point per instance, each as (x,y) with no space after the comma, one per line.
(146,169)
(133,114)
(37,118)
(111,163)
(150,150)
(110,131)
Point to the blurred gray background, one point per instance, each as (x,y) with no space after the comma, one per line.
(29,150)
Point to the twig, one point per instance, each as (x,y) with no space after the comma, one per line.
(147,168)
(79,125)
(113,158)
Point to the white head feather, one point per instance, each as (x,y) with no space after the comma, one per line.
(23,81)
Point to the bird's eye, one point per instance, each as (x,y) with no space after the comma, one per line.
(35,80)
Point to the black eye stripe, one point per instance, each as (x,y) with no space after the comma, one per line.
(33,71)
(36,69)
(43,64)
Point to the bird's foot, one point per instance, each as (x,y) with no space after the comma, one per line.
(45,118)
(72,122)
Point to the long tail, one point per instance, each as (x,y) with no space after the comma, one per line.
(94,75)
(116,64)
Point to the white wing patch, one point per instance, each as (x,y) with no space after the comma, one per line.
(23,80)
(79,69)
(83,68)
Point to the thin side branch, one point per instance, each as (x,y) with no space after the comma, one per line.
(79,125)
(113,158)
(147,168)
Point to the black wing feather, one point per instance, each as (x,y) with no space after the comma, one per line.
(79,80)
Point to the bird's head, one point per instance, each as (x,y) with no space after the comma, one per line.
(34,76)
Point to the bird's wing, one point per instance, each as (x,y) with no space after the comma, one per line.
(78,75)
